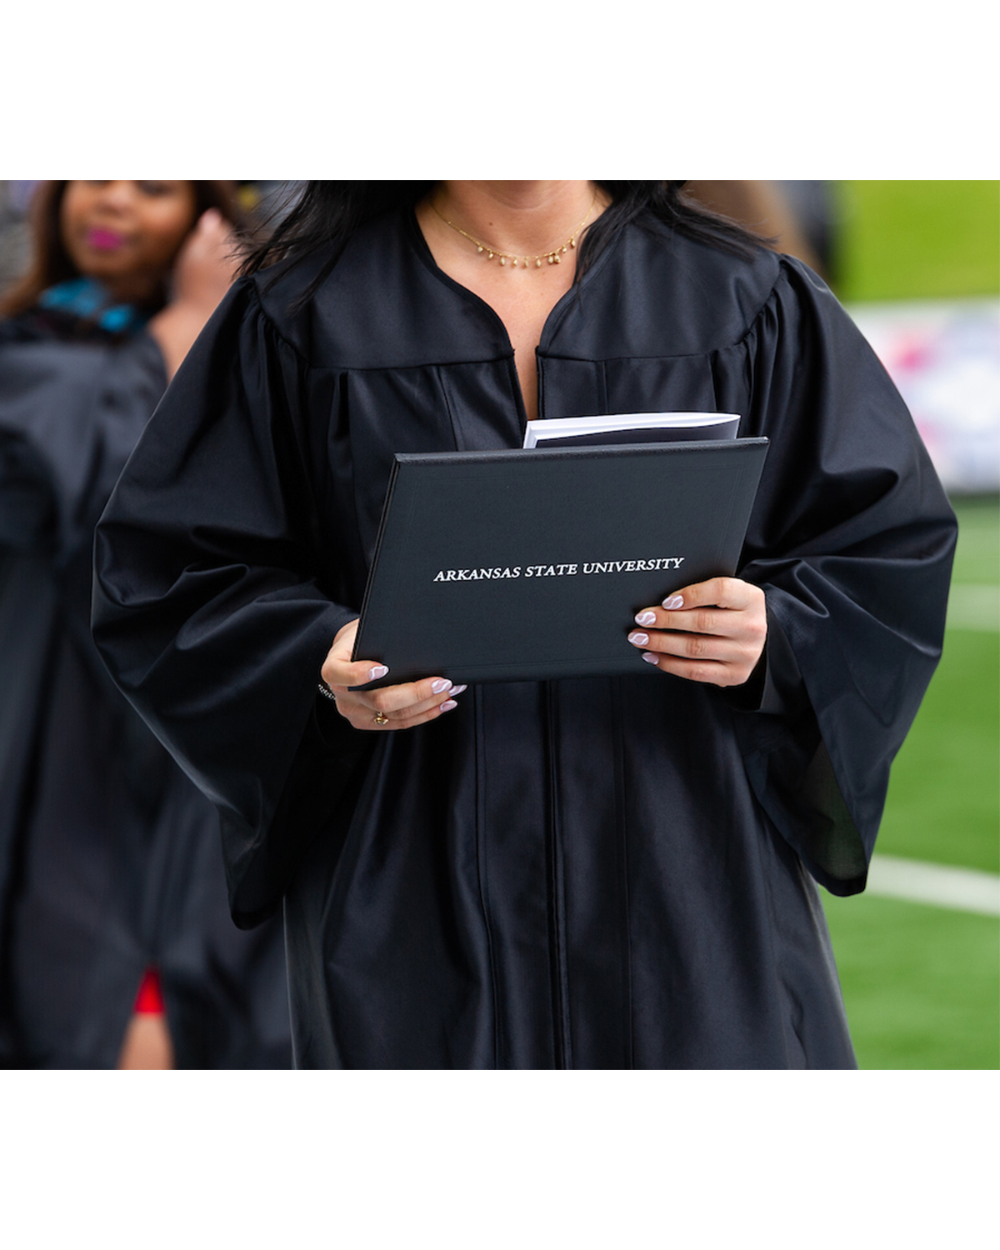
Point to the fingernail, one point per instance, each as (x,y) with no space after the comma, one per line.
(459,689)
(649,657)
(440,686)
(448,704)
(638,637)
(674,602)
(378,671)
(646,618)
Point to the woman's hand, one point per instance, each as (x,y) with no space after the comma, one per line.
(206,265)
(389,707)
(713,631)
(202,274)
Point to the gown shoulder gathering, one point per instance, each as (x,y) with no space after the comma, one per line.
(593,873)
(110,860)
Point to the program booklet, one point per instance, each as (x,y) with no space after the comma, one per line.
(631,427)
(525,566)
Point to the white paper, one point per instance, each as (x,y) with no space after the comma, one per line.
(537,432)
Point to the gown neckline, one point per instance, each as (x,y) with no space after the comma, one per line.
(556,314)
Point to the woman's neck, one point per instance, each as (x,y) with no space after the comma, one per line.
(518,218)
(523,220)
(139,289)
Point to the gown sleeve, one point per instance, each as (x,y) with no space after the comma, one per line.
(852,540)
(208,602)
(69,417)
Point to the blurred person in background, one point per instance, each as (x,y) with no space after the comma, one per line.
(798,218)
(116,945)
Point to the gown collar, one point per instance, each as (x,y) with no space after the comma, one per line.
(415,237)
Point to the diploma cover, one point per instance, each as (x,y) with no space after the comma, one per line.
(528,565)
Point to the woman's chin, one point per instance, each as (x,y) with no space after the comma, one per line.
(122,280)
(103,264)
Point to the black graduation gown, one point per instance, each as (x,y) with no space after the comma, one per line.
(109,857)
(599,873)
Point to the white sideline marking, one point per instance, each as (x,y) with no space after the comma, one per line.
(965,889)
(974,607)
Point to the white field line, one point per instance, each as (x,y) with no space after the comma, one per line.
(974,607)
(964,889)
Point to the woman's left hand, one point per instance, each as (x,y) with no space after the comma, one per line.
(206,264)
(713,631)
(203,271)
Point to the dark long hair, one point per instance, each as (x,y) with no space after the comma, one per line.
(49,261)
(326,214)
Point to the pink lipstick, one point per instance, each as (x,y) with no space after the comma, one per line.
(104,240)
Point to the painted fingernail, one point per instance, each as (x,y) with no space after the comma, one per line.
(674,602)
(638,637)
(448,704)
(441,685)
(649,657)
(459,689)
(645,618)
(378,671)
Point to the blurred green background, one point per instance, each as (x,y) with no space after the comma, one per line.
(922,983)
(917,240)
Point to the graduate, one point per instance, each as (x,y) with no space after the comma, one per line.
(116,945)
(607,872)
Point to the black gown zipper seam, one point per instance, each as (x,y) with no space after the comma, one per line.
(621,820)
(559,966)
(483,871)
(517,394)
(446,401)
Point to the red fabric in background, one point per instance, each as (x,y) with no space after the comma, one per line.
(149,1000)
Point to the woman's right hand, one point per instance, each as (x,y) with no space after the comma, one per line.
(389,707)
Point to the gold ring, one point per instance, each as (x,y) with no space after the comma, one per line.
(379,719)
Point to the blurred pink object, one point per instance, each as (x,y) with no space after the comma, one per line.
(944,356)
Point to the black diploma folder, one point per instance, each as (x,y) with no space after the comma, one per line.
(527,565)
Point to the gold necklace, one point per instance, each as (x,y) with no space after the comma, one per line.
(552,257)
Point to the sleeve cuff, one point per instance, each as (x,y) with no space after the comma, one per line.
(775,687)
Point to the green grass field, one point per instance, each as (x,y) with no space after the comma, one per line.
(922,984)
(917,240)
